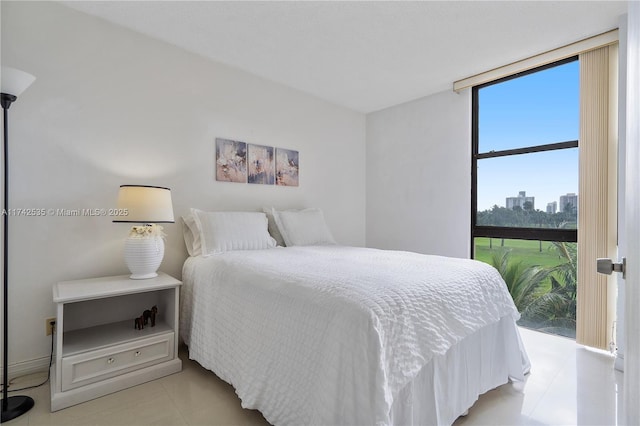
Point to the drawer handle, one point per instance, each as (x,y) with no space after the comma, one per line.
(137,353)
(111,361)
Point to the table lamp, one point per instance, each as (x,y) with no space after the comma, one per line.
(144,248)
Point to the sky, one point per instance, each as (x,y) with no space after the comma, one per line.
(536,109)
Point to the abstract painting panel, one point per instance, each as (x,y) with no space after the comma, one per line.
(231,161)
(287,167)
(261,165)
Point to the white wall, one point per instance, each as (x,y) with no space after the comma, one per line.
(418,176)
(112,107)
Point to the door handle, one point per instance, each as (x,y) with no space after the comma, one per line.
(607,266)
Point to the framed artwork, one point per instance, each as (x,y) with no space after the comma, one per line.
(231,161)
(287,167)
(261,165)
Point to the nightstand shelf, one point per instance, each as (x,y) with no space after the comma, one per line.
(99,350)
(100,336)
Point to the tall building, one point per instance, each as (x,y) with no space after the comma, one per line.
(520,200)
(552,207)
(569,199)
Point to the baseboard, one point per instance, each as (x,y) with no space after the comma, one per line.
(23,368)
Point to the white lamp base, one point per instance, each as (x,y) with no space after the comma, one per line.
(143,276)
(143,256)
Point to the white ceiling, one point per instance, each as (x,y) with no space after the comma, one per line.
(363,55)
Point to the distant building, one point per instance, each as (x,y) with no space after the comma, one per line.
(552,207)
(569,199)
(520,200)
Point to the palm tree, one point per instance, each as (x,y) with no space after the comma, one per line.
(555,310)
(524,284)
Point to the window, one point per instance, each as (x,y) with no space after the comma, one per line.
(525,189)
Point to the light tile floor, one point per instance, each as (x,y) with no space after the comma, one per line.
(568,385)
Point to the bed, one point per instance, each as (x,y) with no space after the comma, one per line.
(344,335)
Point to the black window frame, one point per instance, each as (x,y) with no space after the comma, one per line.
(518,233)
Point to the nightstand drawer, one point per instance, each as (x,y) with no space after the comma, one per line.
(89,367)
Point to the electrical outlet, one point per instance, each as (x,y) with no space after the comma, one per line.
(48,327)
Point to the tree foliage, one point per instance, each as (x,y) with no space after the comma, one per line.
(545,297)
(524,284)
(526,217)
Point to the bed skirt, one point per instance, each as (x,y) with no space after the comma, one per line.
(450,384)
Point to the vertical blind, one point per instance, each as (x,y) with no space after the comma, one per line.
(597,214)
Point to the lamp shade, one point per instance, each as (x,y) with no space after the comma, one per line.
(14,81)
(144,204)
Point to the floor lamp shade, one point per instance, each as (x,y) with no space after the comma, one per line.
(13,83)
(144,248)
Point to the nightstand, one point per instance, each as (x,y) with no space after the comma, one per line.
(98,348)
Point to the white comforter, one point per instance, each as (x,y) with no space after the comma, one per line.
(330,335)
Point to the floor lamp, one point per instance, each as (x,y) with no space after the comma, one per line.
(14,82)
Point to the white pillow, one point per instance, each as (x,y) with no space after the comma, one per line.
(226,231)
(191,235)
(303,227)
(273,226)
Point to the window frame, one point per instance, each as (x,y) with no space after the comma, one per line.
(519,233)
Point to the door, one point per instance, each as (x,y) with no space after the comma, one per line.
(631,334)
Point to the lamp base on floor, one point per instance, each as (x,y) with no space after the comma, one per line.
(16,406)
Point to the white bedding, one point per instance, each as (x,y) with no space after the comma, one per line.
(333,335)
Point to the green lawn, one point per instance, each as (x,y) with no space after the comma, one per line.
(521,250)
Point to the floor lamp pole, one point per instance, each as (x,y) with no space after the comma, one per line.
(14,406)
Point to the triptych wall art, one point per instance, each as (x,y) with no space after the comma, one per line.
(249,163)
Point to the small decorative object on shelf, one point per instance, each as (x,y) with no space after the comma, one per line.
(138,323)
(148,314)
